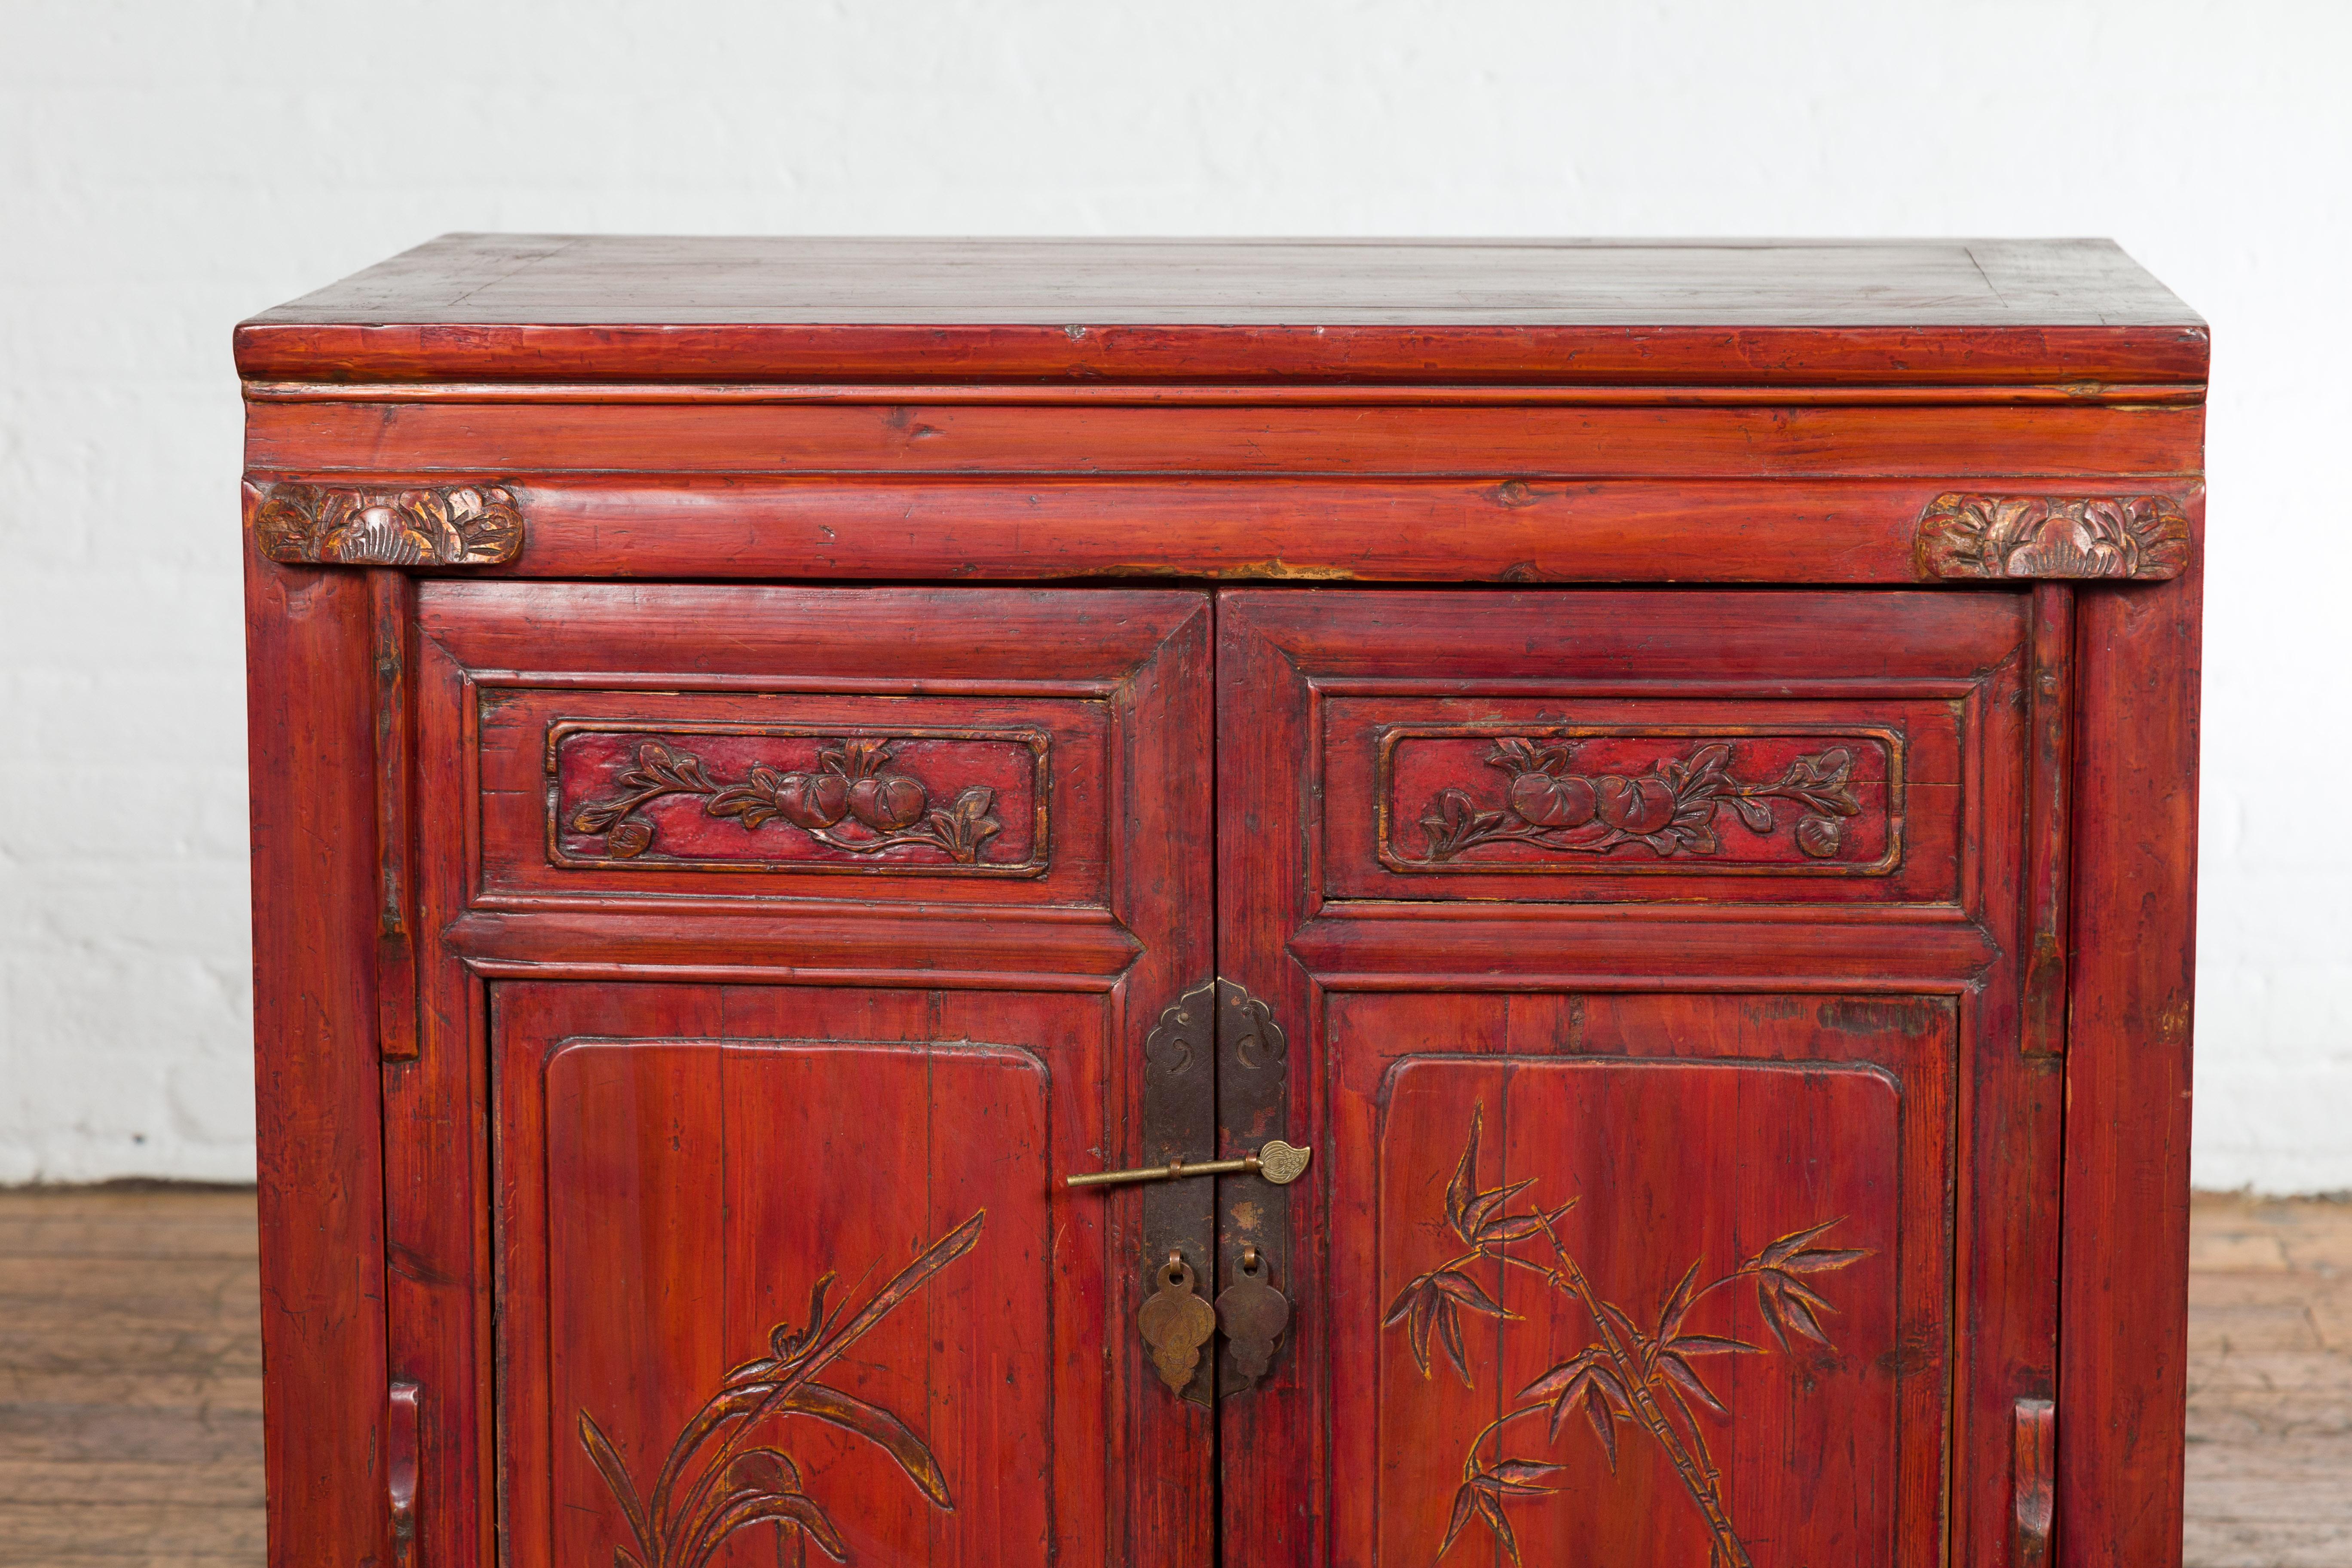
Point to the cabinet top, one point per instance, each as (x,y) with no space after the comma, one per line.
(534,307)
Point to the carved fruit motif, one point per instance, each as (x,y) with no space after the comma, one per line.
(1670,810)
(1541,792)
(887,800)
(810,800)
(1635,805)
(852,783)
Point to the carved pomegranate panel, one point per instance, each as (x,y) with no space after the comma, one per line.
(1485,798)
(930,801)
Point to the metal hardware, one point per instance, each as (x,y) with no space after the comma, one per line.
(1213,1078)
(400,1473)
(1253,1108)
(1179,1118)
(1253,1314)
(1278,1162)
(1176,1323)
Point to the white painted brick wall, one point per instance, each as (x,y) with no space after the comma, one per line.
(169,166)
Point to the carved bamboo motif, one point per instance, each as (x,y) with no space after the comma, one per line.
(1647,1377)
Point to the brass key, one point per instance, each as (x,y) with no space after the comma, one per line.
(1279,1162)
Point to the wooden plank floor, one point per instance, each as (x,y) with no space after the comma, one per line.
(2270,1385)
(129,1378)
(131,1382)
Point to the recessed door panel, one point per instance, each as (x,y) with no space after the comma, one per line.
(1617,1297)
(770,1297)
(1684,1182)
(820,1255)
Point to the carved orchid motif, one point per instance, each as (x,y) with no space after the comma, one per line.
(1670,810)
(1646,1378)
(2053,536)
(698,1502)
(853,800)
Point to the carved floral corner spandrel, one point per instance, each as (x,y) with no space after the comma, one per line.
(2140,537)
(440,525)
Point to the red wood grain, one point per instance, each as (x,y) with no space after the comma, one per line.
(2123,1367)
(618,307)
(958,440)
(1497,528)
(391,616)
(312,762)
(666,1262)
(2049,808)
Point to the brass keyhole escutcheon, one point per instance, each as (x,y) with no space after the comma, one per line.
(1253,1314)
(1176,1323)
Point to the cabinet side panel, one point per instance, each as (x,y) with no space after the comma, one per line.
(312,748)
(2123,1347)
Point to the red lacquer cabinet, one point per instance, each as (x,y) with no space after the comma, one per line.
(1597,838)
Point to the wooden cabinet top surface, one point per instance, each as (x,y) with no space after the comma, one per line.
(1734,312)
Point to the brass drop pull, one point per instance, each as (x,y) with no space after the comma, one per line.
(1176,1323)
(1253,1314)
(1279,1162)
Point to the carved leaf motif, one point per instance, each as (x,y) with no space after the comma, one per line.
(2142,537)
(616,1477)
(1463,1188)
(1647,1379)
(1461,1288)
(698,1500)
(465,525)
(968,823)
(877,1426)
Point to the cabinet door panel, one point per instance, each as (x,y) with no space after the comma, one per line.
(1527,1237)
(1705,911)
(811,1291)
(654,1097)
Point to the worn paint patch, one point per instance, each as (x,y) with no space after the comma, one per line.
(1848,1015)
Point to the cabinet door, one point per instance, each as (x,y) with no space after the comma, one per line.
(792,945)
(783,1264)
(1685,1175)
